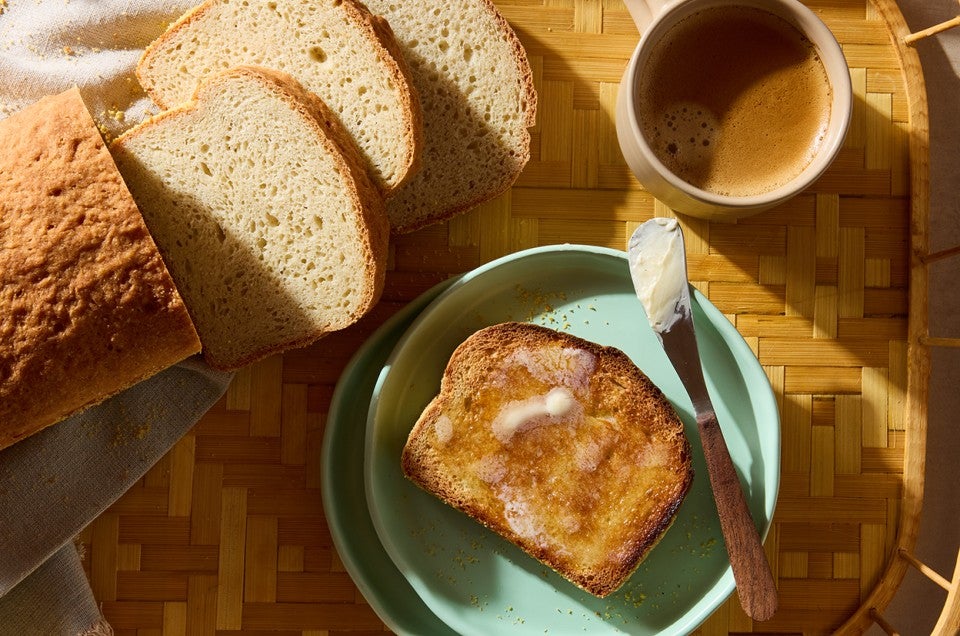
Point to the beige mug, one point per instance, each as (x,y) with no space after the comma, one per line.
(730,107)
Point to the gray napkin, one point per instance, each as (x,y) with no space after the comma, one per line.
(54,483)
(55,599)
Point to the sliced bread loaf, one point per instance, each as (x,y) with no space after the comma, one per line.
(263,211)
(560,445)
(335,48)
(87,307)
(476,90)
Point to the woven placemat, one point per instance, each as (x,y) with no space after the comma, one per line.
(227,533)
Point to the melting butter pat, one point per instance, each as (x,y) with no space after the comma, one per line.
(550,408)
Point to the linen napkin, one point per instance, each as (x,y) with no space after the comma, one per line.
(58,480)
(48,46)
(55,599)
(54,483)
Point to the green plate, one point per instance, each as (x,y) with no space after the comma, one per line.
(344,502)
(478,583)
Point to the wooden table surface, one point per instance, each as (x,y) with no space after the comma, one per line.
(227,535)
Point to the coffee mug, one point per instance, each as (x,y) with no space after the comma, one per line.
(730,107)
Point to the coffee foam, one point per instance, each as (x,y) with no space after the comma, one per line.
(685,137)
(734,101)
(690,143)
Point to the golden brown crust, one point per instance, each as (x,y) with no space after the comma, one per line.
(588,491)
(87,307)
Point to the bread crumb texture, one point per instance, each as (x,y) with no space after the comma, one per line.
(332,47)
(476,90)
(271,229)
(561,445)
(87,307)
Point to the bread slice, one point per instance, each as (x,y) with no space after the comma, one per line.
(263,211)
(476,90)
(335,48)
(87,307)
(562,446)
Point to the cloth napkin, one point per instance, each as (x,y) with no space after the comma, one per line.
(54,483)
(48,46)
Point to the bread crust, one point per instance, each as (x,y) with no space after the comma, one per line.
(87,307)
(589,495)
(373,29)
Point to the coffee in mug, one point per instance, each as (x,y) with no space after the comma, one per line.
(734,100)
(730,107)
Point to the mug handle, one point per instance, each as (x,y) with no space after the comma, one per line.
(644,11)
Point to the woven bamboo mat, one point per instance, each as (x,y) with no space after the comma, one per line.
(226,534)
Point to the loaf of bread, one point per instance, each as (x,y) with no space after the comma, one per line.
(476,90)
(335,48)
(262,208)
(87,307)
(562,446)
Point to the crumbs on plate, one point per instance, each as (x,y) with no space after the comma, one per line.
(550,309)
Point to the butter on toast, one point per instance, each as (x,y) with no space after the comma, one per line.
(562,446)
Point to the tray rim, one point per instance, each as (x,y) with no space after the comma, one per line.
(918,351)
(918,340)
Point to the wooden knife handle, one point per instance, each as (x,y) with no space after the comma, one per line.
(751,571)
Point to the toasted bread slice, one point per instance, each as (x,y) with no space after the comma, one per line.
(476,89)
(562,446)
(87,307)
(335,48)
(263,211)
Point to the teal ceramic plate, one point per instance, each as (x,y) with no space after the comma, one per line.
(476,582)
(344,503)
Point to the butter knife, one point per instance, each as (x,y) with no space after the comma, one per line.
(658,269)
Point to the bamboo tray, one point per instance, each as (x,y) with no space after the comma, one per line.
(226,533)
